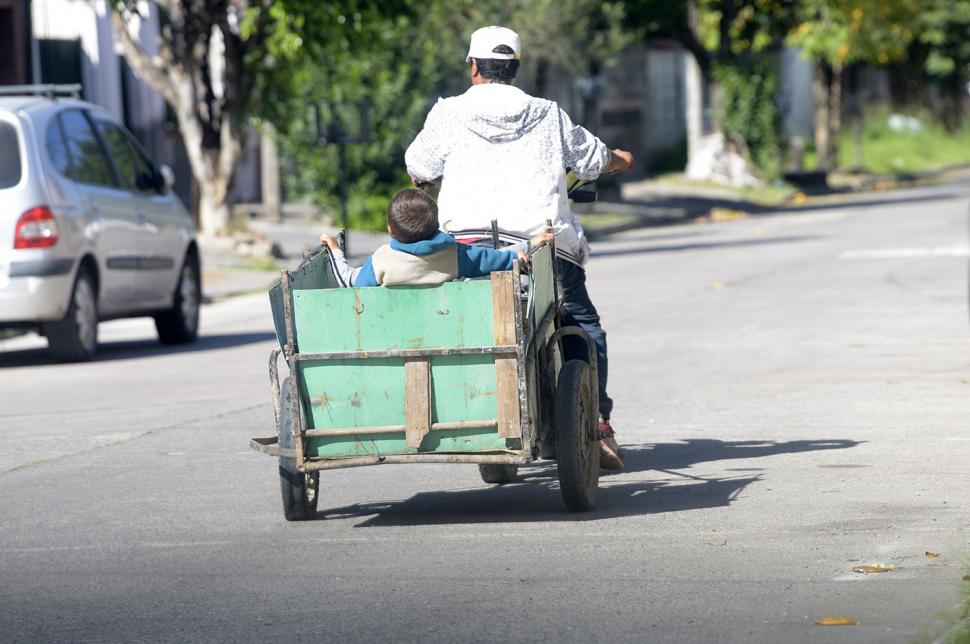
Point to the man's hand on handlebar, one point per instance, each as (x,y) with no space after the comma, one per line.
(620,161)
(545,236)
(329,242)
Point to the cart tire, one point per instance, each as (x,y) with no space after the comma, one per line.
(299,490)
(577,450)
(498,473)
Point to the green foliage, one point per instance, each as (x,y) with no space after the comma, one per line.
(751,25)
(396,57)
(945,30)
(389,58)
(841,32)
(749,85)
(578,35)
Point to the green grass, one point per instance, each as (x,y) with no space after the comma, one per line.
(963,636)
(263,264)
(594,221)
(885,151)
(768,194)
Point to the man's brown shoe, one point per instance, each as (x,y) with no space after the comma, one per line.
(611,458)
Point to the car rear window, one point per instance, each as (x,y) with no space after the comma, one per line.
(10,170)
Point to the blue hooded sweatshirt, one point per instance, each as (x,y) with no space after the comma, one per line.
(429,261)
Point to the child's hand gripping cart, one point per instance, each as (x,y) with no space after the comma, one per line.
(465,372)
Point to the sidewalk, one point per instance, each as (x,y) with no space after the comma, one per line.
(225,273)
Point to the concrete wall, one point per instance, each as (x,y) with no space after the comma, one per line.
(640,100)
(796,101)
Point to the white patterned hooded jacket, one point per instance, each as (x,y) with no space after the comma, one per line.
(502,154)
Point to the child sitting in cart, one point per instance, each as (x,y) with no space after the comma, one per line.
(420,253)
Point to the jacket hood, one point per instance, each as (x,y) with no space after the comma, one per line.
(498,112)
(439,242)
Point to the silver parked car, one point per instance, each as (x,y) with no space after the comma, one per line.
(89,227)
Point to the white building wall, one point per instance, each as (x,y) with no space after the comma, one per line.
(91,23)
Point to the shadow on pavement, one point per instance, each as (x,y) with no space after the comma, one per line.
(535,497)
(131,349)
(683,454)
(676,248)
(688,206)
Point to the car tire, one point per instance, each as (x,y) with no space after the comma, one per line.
(75,337)
(180,324)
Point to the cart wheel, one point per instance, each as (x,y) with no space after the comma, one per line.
(498,473)
(299,489)
(578,452)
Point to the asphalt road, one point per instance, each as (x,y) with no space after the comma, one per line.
(792,391)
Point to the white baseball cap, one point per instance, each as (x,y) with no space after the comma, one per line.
(485,40)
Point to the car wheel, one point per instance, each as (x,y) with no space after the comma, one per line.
(75,338)
(180,324)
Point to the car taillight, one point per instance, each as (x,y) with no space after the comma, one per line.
(36,228)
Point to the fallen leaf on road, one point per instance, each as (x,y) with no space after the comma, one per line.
(874,568)
(726,214)
(932,555)
(717,286)
(966,578)
(836,621)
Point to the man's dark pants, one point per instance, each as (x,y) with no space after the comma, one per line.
(578,310)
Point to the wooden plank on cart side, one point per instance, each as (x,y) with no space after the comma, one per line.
(417,400)
(506,369)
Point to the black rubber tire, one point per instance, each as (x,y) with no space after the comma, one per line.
(180,324)
(75,338)
(578,452)
(498,473)
(299,490)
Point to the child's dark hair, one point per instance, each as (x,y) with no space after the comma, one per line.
(412,216)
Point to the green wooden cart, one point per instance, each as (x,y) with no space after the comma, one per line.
(465,372)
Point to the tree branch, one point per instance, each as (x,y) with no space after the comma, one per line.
(703,57)
(141,62)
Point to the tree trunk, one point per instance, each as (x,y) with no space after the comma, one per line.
(694,103)
(823,120)
(855,109)
(214,212)
(212,168)
(183,74)
(954,89)
(835,113)
(269,170)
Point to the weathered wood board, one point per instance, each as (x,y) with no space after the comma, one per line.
(349,393)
